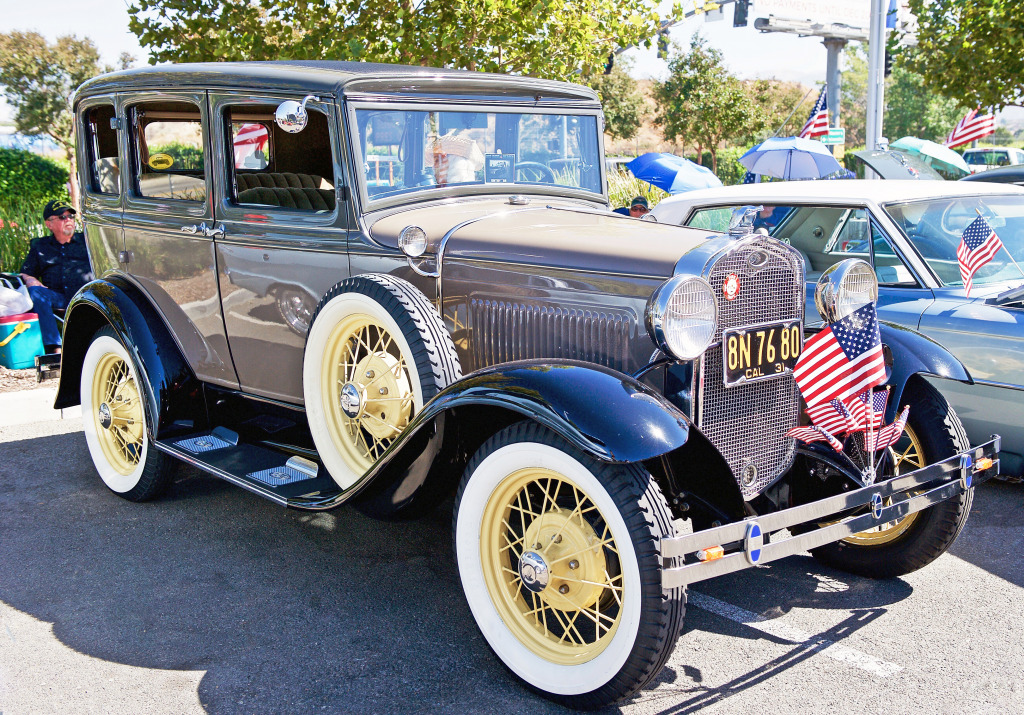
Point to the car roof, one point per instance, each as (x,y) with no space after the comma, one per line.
(999,174)
(845,190)
(337,77)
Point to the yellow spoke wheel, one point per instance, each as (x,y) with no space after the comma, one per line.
(117,413)
(907,455)
(551,566)
(367,389)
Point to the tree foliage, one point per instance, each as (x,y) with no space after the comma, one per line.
(971,51)
(38,80)
(910,109)
(624,104)
(702,104)
(543,38)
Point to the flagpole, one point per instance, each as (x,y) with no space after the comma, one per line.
(1008,254)
(870,413)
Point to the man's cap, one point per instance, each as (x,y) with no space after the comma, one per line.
(639,201)
(56,207)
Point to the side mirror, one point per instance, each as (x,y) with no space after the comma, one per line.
(291,116)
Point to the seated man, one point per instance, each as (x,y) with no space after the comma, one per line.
(55,268)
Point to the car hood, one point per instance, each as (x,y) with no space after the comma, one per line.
(549,234)
(890,164)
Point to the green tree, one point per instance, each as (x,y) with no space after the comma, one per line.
(38,80)
(702,104)
(970,51)
(911,110)
(624,104)
(776,101)
(543,38)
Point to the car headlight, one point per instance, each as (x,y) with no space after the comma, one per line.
(844,288)
(682,316)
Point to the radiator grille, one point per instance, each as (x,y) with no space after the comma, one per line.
(747,423)
(504,331)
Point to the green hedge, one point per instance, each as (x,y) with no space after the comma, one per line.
(27,181)
(25,176)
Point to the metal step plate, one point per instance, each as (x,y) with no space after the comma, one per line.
(276,476)
(205,443)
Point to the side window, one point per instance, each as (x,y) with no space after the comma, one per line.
(101,150)
(168,151)
(889,267)
(272,168)
(711,219)
(853,238)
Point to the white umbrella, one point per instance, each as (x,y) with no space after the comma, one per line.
(790,158)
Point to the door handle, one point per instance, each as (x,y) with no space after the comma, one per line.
(193,229)
(215,231)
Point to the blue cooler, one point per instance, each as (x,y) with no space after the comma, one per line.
(20,341)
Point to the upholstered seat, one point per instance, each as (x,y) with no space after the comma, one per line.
(305,199)
(279,180)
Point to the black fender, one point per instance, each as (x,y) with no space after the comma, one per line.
(174,397)
(605,413)
(915,354)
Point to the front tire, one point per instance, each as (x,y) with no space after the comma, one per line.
(116,423)
(559,559)
(933,433)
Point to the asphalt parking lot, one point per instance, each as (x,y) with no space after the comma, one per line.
(213,600)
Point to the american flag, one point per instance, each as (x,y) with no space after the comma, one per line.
(870,404)
(977,247)
(834,416)
(842,360)
(814,433)
(817,123)
(890,434)
(973,126)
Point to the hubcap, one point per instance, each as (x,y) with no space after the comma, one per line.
(534,571)
(351,400)
(119,417)
(551,566)
(104,416)
(367,389)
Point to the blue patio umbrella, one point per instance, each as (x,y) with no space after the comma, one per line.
(790,158)
(672,173)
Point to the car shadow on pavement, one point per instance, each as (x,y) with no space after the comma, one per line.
(994,536)
(285,611)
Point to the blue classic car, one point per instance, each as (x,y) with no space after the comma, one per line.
(909,231)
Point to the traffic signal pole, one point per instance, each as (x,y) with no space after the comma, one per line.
(876,73)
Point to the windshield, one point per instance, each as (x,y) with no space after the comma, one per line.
(406,150)
(935,228)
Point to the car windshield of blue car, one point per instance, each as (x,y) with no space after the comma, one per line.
(412,150)
(936,227)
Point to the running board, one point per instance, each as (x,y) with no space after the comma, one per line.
(289,481)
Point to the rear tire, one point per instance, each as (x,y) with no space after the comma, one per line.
(579,614)
(115,420)
(934,432)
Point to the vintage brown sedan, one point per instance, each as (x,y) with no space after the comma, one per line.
(335,283)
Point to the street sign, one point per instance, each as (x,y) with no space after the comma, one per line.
(836,135)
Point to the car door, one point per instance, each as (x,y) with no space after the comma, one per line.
(283,220)
(101,185)
(166,218)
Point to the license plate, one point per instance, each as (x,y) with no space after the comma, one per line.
(760,352)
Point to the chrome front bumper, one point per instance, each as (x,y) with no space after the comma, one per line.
(756,540)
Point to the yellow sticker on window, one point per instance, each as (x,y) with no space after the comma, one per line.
(161,161)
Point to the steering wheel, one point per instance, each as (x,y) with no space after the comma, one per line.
(956,216)
(534,171)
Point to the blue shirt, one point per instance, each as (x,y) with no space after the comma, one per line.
(62,267)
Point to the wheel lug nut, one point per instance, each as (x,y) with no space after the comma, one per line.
(574,564)
(383,390)
(556,539)
(563,589)
(369,374)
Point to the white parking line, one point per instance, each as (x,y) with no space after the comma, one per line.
(773,627)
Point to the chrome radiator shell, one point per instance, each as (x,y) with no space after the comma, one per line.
(748,422)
